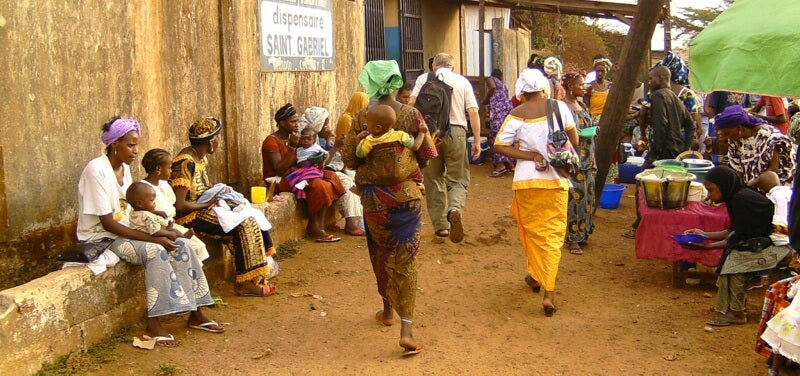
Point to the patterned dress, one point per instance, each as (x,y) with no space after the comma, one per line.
(499,107)
(581,206)
(251,246)
(751,156)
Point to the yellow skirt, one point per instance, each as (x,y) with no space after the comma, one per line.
(541,216)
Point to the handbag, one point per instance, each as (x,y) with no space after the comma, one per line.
(85,252)
(560,152)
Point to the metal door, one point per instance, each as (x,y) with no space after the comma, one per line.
(413,63)
(373,30)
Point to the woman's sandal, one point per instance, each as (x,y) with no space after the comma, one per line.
(535,286)
(630,234)
(166,341)
(549,310)
(443,233)
(575,249)
(498,173)
(266,290)
(330,238)
(726,321)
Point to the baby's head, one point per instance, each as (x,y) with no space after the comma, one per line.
(141,196)
(768,180)
(380,119)
(307,137)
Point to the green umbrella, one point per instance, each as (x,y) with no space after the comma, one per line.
(751,47)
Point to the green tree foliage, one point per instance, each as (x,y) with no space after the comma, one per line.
(691,21)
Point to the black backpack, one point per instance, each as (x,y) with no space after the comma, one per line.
(433,102)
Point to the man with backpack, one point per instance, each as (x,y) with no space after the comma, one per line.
(443,97)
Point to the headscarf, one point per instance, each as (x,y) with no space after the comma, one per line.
(536,61)
(602,61)
(314,118)
(569,78)
(285,112)
(358,102)
(532,81)
(735,115)
(203,130)
(552,67)
(380,77)
(727,180)
(118,129)
(678,70)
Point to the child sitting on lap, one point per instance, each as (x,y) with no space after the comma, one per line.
(310,159)
(142,198)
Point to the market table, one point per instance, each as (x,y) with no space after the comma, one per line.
(654,234)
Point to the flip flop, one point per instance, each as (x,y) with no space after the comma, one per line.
(357,232)
(266,290)
(575,249)
(380,319)
(329,239)
(499,173)
(456,227)
(443,233)
(413,351)
(534,285)
(630,234)
(206,326)
(162,340)
(725,321)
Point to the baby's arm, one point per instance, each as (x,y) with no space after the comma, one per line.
(363,147)
(423,130)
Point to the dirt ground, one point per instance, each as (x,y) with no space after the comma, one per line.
(475,315)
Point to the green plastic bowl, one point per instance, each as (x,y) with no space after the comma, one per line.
(588,132)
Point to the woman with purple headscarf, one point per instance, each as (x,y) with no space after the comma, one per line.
(755,146)
(174,278)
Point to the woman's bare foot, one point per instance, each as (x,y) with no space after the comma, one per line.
(410,346)
(386,315)
(253,289)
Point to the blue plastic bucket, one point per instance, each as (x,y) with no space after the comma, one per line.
(611,196)
(484,148)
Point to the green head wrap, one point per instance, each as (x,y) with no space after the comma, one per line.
(380,77)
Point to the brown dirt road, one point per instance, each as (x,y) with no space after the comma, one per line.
(475,315)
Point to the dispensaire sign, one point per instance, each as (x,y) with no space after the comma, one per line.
(297,35)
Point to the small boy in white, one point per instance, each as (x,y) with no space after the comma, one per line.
(780,195)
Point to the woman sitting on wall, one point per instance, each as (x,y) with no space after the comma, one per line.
(349,204)
(252,244)
(174,278)
(278,157)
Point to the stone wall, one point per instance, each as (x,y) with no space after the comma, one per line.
(68,67)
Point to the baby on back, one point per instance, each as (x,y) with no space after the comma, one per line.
(780,195)
(380,130)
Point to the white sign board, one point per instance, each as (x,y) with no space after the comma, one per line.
(297,35)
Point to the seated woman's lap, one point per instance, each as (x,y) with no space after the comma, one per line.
(322,192)
(174,281)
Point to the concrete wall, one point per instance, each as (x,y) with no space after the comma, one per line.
(441,30)
(69,66)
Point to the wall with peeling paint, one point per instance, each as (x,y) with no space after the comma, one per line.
(68,67)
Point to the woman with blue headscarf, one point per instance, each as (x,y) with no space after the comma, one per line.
(174,278)
(754,146)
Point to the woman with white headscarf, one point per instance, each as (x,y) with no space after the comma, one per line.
(540,192)
(349,204)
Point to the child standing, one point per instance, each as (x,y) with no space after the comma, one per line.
(157,164)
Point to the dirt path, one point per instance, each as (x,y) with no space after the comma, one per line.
(474,313)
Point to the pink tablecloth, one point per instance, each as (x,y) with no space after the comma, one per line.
(654,235)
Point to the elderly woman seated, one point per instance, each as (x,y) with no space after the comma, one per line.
(279,157)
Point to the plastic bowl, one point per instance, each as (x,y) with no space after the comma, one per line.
(588,132)
(685,239)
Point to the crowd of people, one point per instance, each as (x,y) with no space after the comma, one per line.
(388,152)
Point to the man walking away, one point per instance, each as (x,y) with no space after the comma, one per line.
(447,176)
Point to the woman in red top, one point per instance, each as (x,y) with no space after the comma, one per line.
(278,157)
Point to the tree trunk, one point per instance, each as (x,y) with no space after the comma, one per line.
(621,92)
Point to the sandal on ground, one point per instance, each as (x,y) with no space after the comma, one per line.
(498,173)
(456,227)
(534,285)
(379,318)
(443,233)
(411,351)
(630,234)
(549,310)
(726,321)
(166,341)
(330,238)
(211,326)
(266,290)
(356,232)
(575,249)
